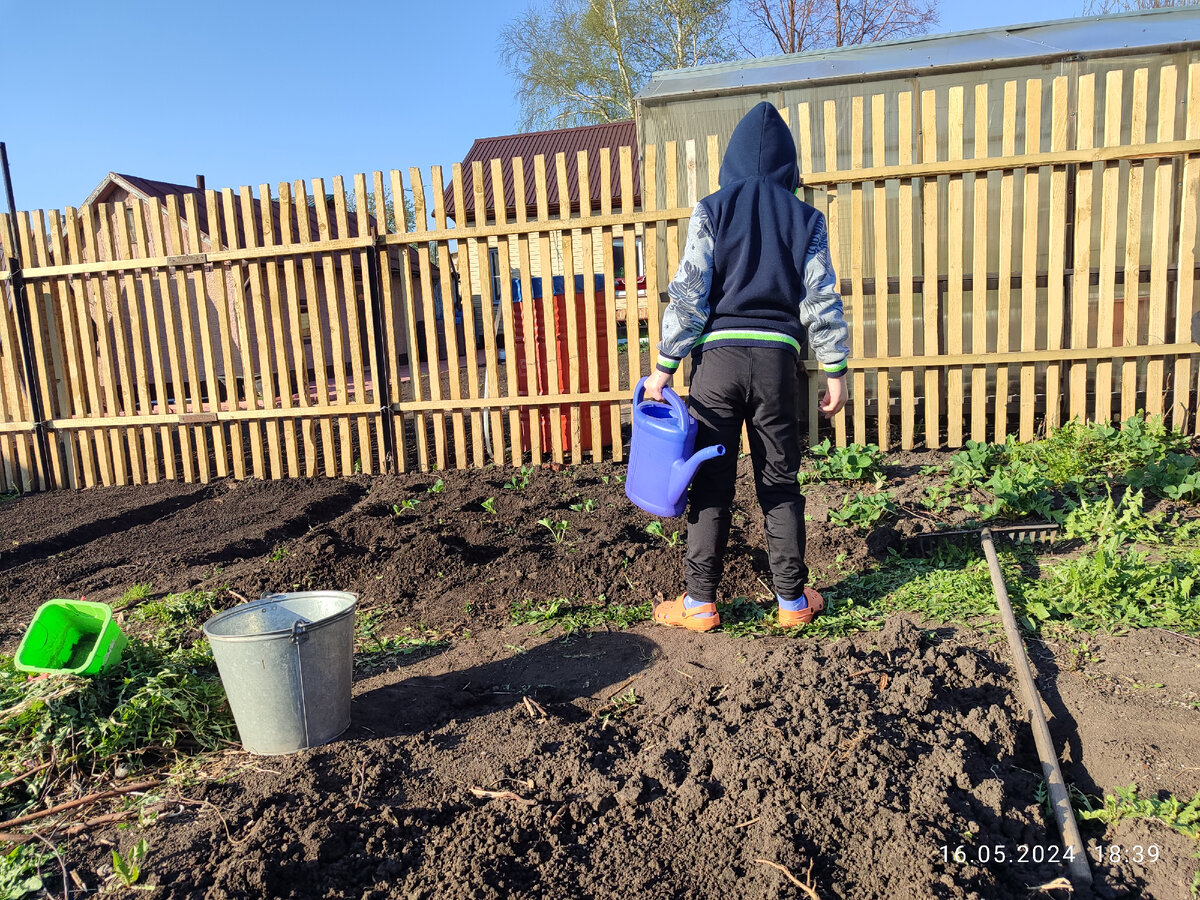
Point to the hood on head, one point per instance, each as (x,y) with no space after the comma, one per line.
(761,147)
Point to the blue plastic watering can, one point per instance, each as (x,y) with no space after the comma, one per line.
(661,462)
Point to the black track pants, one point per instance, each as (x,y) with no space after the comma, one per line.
(761,386)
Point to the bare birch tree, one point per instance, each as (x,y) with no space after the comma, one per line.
(580,62)
(1103,7)
(796,25)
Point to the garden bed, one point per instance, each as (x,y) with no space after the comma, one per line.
(520,730)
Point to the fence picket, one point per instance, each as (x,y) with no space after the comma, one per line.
(1160,247)
(466,252)
(608,262)
(833,226)
(1005,267)
(1186,298)
(284,369)
(352,336)
(547,272)
(1110,186)
(393,329)
(1131,299)
(245,353)
(979,269)
(500,205)
(317,329)
(569,307)
(1082,260)
(1056,289)
(586,240)
(186,333)
(138,301)
(930,300)
(529,330)
(955,227)
(908,318)
(454,371)
(881,295)
(1029,251)
(263,383)
(93,337)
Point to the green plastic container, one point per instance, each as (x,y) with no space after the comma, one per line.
(70,637)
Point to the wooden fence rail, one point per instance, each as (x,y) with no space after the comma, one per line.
(1006,262)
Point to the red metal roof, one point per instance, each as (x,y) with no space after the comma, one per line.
(568,141)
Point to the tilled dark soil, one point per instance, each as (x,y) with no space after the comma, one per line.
(856,765)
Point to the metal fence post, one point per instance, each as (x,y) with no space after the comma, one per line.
(25,336)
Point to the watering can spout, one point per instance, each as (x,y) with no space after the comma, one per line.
(683,470)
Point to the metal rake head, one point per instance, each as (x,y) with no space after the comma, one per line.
(928,542)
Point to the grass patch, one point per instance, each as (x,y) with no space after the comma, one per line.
(571,616)
(20,871)
(163,700)
(373,650)
(1049,477)
(1124,803)
(1111,588)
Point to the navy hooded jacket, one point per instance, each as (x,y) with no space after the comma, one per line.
(756,269)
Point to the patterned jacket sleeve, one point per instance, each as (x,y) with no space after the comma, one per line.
(821,309)
(687,312)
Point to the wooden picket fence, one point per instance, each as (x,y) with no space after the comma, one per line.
(988,294)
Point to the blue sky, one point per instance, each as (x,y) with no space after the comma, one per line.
(253,92)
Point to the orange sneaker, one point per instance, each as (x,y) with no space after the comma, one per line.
(675,614)
(794,619)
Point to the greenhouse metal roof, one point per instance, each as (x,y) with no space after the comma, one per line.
(1096,35)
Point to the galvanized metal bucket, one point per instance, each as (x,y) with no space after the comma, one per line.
(287,663)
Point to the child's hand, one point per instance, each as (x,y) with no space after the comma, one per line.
(835,397)
(655,384)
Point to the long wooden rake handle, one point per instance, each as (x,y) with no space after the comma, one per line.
(1081,873)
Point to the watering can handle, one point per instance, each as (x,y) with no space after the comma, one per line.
(669,396)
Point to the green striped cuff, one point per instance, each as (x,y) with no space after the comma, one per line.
(667,364)
(835,370)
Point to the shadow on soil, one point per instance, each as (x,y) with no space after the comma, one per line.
(555,673)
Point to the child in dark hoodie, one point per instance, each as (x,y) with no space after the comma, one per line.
(755,282)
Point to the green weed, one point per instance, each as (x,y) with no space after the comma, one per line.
(177,615)
(128,869)
(20,872)
(1174,476)
(519,481)
(437,487)
(617,707)
(489,505)
(557,529)
(585,505)
(373,650)
(1124,803)
(134,594)
(854,462)
(1114,587)
(863,510)
(1048,477)
(162,700)
(404,506)
(1121,522)
(572,617)
(656,529)
(279,554)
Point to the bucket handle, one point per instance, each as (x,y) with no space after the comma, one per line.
(669,396)
(300,631)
